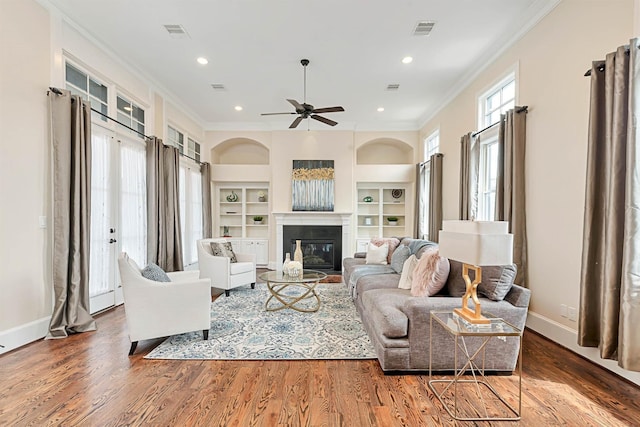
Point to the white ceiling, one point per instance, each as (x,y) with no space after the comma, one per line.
(355,47)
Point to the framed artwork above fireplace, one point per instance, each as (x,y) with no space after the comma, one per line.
(312,185)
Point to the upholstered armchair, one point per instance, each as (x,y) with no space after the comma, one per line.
(223,273)
(159,309)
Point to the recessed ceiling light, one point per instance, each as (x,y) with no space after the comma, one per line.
(238,108)
(380,109)
(202,60)
(407,60)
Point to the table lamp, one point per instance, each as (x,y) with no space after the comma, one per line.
(475,244)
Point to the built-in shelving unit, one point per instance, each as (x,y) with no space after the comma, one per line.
(386,201)
(237,206)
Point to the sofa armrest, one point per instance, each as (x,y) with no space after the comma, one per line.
(518,296)
(246,257)
(360,255)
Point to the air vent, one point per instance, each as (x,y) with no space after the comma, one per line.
(176,31)
(394,86)
(218,87)
(423,28)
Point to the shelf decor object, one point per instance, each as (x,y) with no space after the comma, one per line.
(257,220)
(475,244)
(233,197)
(367,199)
(396,193)
(392,220)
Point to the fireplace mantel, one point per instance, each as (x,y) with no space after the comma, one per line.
(312,218)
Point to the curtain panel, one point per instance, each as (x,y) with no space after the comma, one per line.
(164,236)
(435,197)
(207,227)
(419,226)
(469,170)
(71,141)
(510,186)
(610,275)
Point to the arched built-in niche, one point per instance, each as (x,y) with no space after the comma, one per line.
(384,151)
(240,151)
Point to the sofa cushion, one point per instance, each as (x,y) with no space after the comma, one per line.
(406,277)
(430,274)
(155,273)
(496,282)
(391,241)
(383,309)
(240,267)
(398,258)
(377,254)
(223,249)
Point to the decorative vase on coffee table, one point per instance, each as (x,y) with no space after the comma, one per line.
(297,255)
(287,260)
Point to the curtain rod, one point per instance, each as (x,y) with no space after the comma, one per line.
(524,108)
(59,92)
(601,67)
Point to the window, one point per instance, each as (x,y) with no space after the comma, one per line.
(190,210)
(496,101)
(130,114)
(431,145)
(88,88)
(194,150)
(177,139)
(487,179)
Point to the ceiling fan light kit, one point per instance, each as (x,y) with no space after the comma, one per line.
(306,111)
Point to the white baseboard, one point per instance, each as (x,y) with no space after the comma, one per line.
(24,334)
(568,338)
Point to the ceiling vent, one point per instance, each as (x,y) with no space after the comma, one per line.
(176,31)
(393,86)
(218,87)
(423,28)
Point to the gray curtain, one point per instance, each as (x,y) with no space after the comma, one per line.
(71,139)
(435,197)
(610,276)
(469,169)
(164,238)
(510,188)
(205,171)
(419,227)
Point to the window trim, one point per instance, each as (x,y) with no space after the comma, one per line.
(428,151)
(483,96)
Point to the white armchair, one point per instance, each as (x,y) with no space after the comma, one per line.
(159,309)
(223,273)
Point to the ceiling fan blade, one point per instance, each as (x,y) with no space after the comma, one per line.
(273,114)
(328,110)
(324,120)
(295,104)
(296,122)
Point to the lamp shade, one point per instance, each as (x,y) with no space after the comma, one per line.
(477,242)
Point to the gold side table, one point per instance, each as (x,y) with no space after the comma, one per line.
(459,329)
(278,283)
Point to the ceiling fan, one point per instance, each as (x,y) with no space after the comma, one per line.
(305,110)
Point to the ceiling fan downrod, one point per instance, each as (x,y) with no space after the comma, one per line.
(304,63)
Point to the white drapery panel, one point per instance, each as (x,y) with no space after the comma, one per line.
(100,214)
(133,202)
(190,212)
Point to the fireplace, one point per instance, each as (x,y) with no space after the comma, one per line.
(321,246)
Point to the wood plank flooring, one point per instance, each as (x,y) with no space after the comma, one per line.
(88,380)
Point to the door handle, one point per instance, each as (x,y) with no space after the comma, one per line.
(112,230)
(112,240)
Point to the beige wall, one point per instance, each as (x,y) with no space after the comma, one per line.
(551,60)
(25,293)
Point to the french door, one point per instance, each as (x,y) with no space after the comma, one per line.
(118,212)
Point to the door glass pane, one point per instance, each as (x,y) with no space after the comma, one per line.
(99,278)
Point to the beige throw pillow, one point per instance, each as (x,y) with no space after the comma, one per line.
(377,254)
(408,268)
(391,241)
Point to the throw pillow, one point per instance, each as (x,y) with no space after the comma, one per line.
(400,255)
(155,273)
(430,274)
(408,269)
(391,241)
(223,249)
(495,285)
(377,254)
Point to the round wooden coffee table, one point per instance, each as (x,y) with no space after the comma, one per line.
(289,291)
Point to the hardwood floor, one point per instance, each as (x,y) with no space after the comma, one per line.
(88,380)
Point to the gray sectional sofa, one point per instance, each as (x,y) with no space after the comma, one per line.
(398,323)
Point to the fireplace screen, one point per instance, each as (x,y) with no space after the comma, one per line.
(316,254)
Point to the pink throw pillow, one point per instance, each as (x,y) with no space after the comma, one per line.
(430,274)
(392,241)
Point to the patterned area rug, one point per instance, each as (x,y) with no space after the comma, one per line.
(242,329)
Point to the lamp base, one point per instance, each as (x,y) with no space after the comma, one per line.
(471,316)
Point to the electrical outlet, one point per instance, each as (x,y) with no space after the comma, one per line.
(571,312)
(563,310)
(42,221)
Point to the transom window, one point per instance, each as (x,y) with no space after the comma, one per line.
(88,88)
(130,114)
(497,101)
(177,139)
(431,145)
